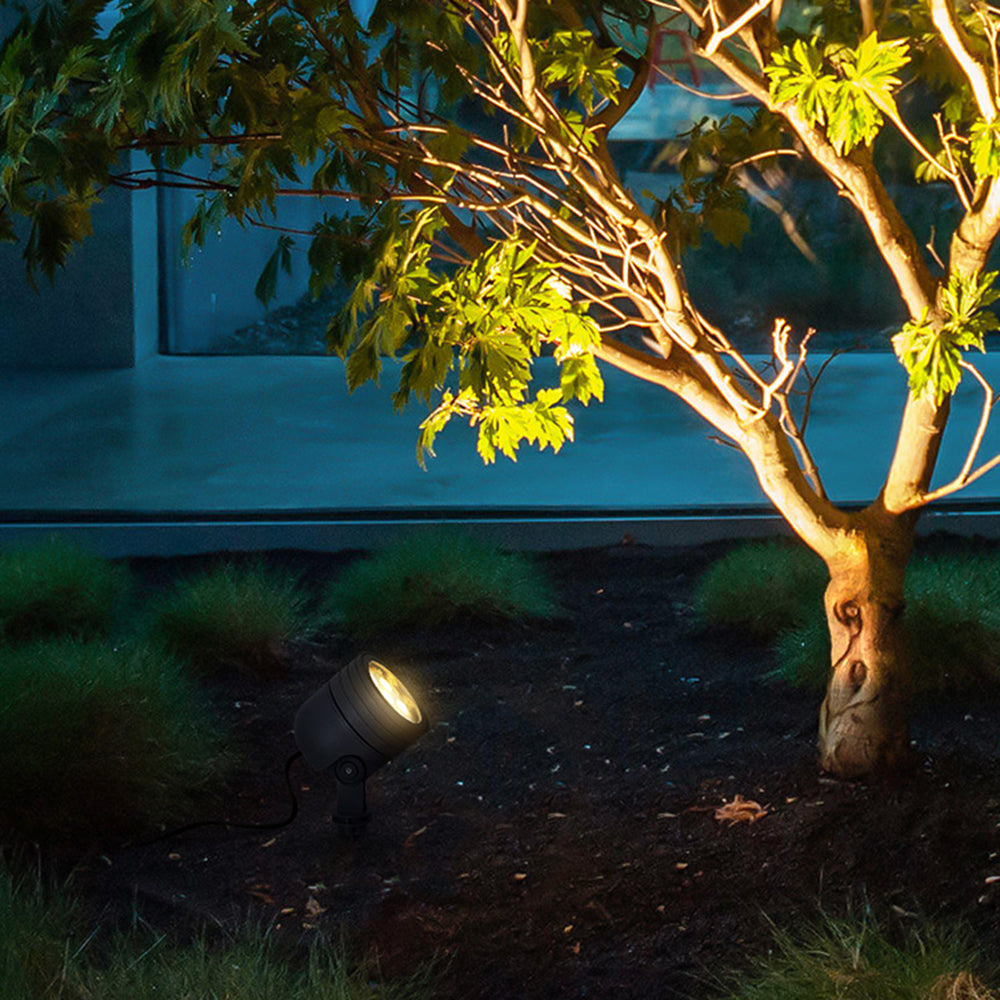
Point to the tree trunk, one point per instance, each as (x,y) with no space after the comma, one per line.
(864,720)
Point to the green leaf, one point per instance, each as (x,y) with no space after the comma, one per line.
(851,100)
(7,234)
(926,172)
(449,406)
(542,422)
(580,378)
(578,130)
(797,74)
(728,225)
(207,218)
(479,328)
(985,147)
(574,60)
(266,287)
(873,65)
(363,365)
(931,355)
(424,372)
(56,225)
(853,118)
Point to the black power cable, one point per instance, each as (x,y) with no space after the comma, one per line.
(232,825)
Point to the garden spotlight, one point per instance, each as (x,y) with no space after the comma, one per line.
(358,720)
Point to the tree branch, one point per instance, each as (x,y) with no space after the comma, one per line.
(867,17)
(974,236)
(857,176)
(818,522)
(358,79)
(920,432)
(952,174)
(923,420)
(614,113)
(966,475)
(943,16)
(629,259)
(721,34)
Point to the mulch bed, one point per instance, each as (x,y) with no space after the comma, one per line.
(554,834)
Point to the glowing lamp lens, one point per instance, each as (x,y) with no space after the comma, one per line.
(391,688)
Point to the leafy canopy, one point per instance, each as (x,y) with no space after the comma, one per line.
(470,337)
(487,235)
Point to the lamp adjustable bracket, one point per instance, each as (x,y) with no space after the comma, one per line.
(351,813)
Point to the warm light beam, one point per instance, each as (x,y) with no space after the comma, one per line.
(392,689)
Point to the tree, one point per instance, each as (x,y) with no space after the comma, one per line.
(492,227)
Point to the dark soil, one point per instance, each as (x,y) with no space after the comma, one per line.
(554,834)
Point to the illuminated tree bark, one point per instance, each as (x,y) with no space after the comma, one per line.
(864,719)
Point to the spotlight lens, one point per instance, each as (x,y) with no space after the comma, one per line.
(391,688)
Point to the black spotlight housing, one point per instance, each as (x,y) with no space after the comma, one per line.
(356,722)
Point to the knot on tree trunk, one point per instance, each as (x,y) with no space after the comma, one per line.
(864,719)
(849,615)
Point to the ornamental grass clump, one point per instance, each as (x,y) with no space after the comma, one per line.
(48,953)
(58,588)
(232,618)
(851,960)
(432,578)
(762,588)
(35,934)
(775,591)
(249,965)
(952,621)
(100,740)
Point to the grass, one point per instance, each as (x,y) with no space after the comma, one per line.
(45,956)
(432,578)
(97,740)
(763,588)
(804,655)
(856,960)
(774,591)
(34,938)
(58,588)
(247,966)
(232,618)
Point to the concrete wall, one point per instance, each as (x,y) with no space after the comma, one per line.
(145,271)
(101,310)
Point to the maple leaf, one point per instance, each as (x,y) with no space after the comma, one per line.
(740,810)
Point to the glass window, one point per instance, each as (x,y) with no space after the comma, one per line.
(209,302)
